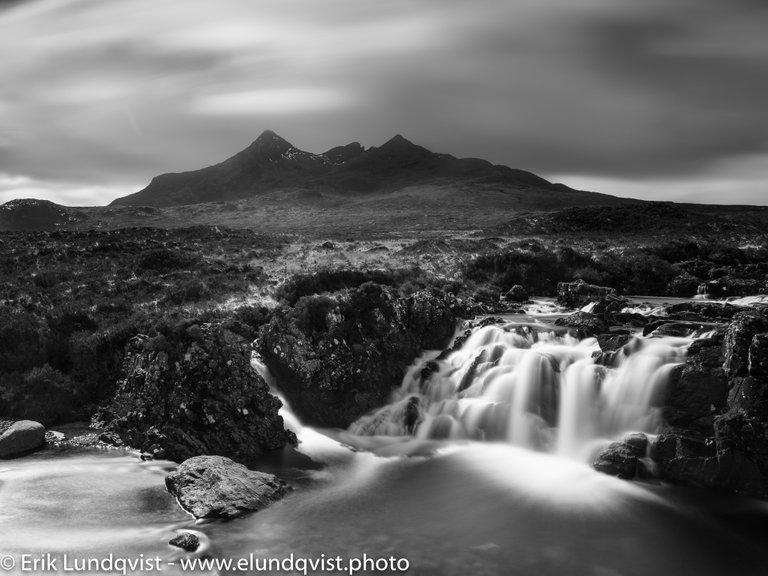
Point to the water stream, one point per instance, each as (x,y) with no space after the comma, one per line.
(479,465)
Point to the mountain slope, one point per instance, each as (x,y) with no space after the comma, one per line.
(271,163)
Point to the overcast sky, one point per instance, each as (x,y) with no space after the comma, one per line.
(659,99)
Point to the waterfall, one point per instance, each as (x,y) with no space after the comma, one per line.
(526,385)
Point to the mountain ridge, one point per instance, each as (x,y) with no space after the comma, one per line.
(272,163)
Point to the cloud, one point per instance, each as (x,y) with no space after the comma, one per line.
(65,193)
(268,101)
(114,93)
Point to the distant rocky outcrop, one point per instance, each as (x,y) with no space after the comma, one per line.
(337,357)
(28,214)
(217,487)
(20,437)
(194,392)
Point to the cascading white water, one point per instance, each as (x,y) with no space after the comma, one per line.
(526,385)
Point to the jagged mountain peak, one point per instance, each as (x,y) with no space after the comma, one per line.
(269,144)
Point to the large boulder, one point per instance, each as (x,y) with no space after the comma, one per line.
(578,293)
(217,487)
(21,437)
(337,357)
(193,391)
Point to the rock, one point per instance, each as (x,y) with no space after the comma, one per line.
(735,459)
(612,342)
(516,294)
(674,328)
(217,487)
(702,311)
(695,393)
(578,294)
(758,356)
(749,395)
(683,285)
(186,541)
(713,289)
(611,304)
(339,357)
(621,458)
(21,437)
(589,324)
(738,339)
(194,392)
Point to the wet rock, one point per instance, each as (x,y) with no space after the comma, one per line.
(578,294)
(675,328)
(758,356)
(683,285)
(738,339)
(612,342)
(588,324)
(611,304)
(193,393)
(217,487)
(749,395)
(696,392)
(21,437)
(713,289)
(622,458)
(186,541)
(338,357)
(703,311)
(516,294)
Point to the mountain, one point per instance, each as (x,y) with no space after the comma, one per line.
(348,173)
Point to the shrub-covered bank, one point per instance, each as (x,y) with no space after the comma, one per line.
(102,319)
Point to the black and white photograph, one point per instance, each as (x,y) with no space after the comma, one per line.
(397,287)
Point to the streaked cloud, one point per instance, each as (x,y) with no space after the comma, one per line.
(614,91)
(66,193)
(269,101)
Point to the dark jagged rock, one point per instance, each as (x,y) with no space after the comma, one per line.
(217,487)
(675,328)
(186,541)
(336,358)
(622,458)
(684,286)
(21,437)
(611,304)
(197,394)
(516,294)
(750,395)
(703,311)
(588,324)
(697,390)
(579,293)
(758,356)
(738,338)
(717,405)
(612,342)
